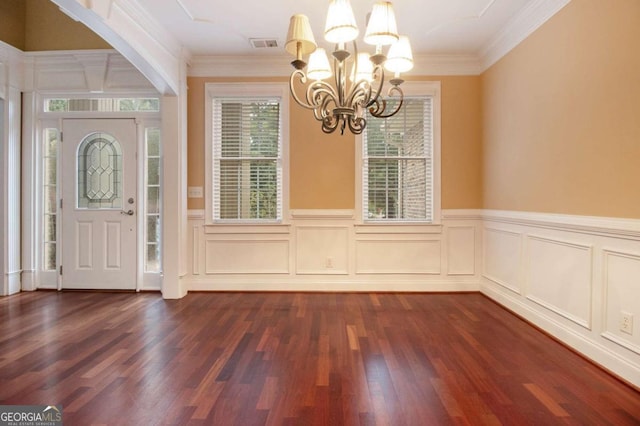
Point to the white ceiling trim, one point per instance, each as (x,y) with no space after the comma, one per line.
(280,66)
(519,28)
(128,28)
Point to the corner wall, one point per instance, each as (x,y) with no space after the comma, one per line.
(561,218)
(560,115)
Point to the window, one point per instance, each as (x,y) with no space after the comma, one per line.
(248,136)
(400,160)
(50,198)
(99,173)
(102,105)
(153,191)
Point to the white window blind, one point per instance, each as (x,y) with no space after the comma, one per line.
(247,154)
(398,164)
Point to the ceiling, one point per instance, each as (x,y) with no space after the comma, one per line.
(435,27)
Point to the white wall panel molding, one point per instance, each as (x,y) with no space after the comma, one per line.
(398,256)
(502,258)
(395,229)
(602,226)
(580,275)
(246,256)
(322,250)
(246,229)
(329,251)
(559,277)
(621,272)
(461,250)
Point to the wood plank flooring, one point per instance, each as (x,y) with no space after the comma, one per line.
(288,358)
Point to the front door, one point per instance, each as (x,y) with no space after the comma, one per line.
(99,204)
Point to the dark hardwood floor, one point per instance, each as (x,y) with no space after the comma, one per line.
(287,358)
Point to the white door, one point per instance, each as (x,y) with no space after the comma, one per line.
(99,204)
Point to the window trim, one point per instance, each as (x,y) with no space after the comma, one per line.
(250,90)
(410,88)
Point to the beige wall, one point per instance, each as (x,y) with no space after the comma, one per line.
(322,167)
(38,25)
(12,22)
(47,28)
(562,115)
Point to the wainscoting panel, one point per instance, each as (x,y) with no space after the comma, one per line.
(461,242)
(581,275)
(502,261)
(329,250)
(622,296)
(398,256)
(246,256)
(559,277)
(322,250)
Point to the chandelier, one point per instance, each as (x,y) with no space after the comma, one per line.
(359,76)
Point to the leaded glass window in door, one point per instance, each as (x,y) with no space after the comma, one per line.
(99,172)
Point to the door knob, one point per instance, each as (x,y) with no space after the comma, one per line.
(128,212)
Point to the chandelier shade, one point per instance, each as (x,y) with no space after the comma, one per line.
(300,40)
(363,69)
(359,78)
(341,24)
(319,68)
(400,58)
(381,29)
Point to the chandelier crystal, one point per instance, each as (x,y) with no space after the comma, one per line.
(359,77)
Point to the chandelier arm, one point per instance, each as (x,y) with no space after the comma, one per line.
(360,94)
(378,72)
(323,108)
(381,105)
(317,92)
(303,79)
(330,124)
(357,125)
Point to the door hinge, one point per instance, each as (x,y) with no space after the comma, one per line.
(60,269)
(61,137)
(60,202)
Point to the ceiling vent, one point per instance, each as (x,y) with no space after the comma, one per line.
(263,43)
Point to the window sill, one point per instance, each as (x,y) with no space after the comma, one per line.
(247,228)
(398,228)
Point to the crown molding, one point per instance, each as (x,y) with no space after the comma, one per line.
(239,66)
(279,66)
(519,28)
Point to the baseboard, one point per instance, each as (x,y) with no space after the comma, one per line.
(323,285)
(606,358)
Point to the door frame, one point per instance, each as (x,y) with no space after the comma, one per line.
(51,279)
(71,164)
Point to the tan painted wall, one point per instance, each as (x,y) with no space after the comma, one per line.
(47,28)
(12,22)
(562,115)
(322,167)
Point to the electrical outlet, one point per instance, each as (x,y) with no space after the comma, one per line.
(328,263)
(626,322)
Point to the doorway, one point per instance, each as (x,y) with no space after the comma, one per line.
(99,204)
